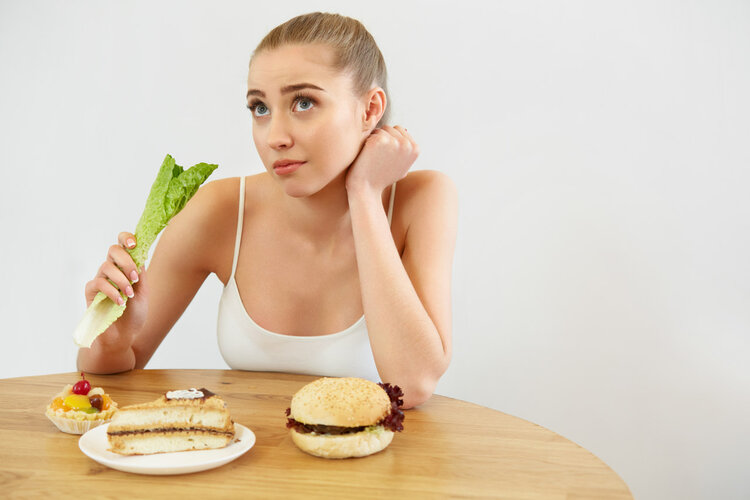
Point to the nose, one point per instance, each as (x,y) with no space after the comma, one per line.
(278,134)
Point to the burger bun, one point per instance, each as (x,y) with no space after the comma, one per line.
(345,402)
(358,444)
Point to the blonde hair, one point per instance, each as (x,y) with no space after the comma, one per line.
(354,47)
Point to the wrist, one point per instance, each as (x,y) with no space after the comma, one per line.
(364,199)
(361,190)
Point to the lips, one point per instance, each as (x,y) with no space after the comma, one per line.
(286,166)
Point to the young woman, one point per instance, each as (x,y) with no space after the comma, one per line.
(336,261)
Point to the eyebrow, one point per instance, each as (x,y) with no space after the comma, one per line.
(285,90)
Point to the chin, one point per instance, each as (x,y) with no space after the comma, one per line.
(298,187)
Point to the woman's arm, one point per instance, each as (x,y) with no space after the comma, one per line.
(406,298)
(180,264)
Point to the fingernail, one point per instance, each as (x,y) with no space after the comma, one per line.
(120,301)
(133,277)
(130,243)
(129,291)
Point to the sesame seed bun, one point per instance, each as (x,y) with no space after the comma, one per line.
(343,402)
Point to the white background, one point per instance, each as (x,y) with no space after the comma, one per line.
(600,150)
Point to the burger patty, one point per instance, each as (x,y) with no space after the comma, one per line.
(321,429)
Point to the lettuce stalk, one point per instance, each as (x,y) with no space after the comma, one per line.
(171,190)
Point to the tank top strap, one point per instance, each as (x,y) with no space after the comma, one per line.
(241,213)
(390,203)
(240,217)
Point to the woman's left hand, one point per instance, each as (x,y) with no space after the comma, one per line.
(385,158)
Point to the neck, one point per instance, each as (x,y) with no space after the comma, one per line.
(322,216)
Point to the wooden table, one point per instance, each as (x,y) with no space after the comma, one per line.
(449,448)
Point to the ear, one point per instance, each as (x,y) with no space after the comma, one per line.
(375,103)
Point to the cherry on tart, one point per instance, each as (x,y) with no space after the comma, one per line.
(79,407)
(83,386)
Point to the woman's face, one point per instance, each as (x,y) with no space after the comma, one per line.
(304,111)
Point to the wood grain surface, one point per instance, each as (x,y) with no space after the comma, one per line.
(449,448)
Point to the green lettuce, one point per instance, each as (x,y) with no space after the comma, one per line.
(171,190)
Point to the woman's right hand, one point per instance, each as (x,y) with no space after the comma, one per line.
(119,273)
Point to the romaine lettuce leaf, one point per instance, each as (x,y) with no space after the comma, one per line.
(171,190)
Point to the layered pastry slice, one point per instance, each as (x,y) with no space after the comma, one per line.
(193,419)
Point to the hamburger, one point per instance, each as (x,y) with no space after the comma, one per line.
(345,417)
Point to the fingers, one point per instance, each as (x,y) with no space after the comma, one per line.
(101,284)
(117,274)
(122,259)
(397,131)
(110,280)
(400,133)
(126,240)
(386,157)
(405,134)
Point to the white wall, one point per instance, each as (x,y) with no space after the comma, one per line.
(600,149)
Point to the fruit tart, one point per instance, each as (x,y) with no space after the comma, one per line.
(80,407)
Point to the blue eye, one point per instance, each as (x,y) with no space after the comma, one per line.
(304,103)
(259,109)
(301,103)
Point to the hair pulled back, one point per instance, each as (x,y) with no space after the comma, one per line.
(354,48)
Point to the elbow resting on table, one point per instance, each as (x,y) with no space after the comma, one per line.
(417,393)
(420,387)
(99,366)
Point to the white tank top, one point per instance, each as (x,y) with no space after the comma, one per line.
(245,345)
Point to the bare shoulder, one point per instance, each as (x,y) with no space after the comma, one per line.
(216,196)
(206,227)
(424,190)
(214,207)
(208,209)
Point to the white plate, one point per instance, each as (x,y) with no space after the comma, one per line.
(96,446)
